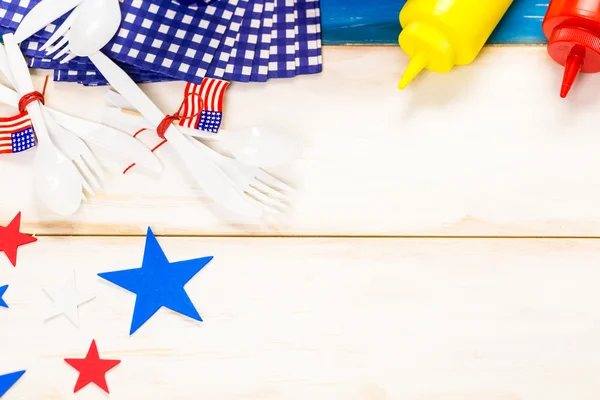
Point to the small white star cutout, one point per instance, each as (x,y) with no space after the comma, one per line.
(66,300)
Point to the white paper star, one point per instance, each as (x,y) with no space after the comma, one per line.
(66,300)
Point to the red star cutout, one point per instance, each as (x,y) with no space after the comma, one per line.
(11,238)
(92,369)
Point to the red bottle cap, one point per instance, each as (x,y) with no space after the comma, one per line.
(577,49)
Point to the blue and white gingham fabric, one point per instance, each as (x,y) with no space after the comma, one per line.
(283,40)
(260,68)
(167,39)
(162,40)
(192,2)
(243,54)
(221,60)
(309,57)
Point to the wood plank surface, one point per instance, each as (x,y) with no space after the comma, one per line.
(489,149)
(319,319)
(376,22)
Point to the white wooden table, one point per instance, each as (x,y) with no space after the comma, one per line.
(443,246)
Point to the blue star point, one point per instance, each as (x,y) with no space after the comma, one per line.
(2,291)
(8,380)
(158,283)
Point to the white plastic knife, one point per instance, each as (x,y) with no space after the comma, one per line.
(42,15)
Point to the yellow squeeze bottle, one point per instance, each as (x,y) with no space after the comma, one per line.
(439,34)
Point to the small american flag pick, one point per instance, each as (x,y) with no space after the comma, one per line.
(16,134)
(201,108)
(203,105)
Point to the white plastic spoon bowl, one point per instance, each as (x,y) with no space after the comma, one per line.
(96,23)
(54,179)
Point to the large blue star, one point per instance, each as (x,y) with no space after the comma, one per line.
(2,291)
(158,283)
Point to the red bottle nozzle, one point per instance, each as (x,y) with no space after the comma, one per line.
(572,68)
(578,49)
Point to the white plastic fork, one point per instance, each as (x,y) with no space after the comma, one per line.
(256,183)
(60,31)
(60,40)
(78,152)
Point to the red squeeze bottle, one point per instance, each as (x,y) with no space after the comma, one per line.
(572,28)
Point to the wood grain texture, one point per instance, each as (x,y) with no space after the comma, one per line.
(376,22)
(357,319)
(489,149)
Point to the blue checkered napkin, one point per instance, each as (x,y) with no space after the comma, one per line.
(282,58)
(98,79)
(83,71)
(171,40)
(308,37)
(155,48)
(78,67)
(192,2)
(91,77)
(260,68)
(48,63)
(87,74)
(168,39)
(221,58)
(243,55)
(12,12)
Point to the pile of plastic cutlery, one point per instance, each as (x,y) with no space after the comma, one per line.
(64,164)
(65,167)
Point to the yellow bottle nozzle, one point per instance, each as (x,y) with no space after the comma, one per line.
(417,63)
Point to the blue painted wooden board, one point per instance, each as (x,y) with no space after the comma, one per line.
(376,22)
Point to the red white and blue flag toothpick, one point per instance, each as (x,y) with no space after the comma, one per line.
(16,134)
(8,380)
(11,238)
(2,291)
(158,283)
(201,108)
(92,369)
(203,105)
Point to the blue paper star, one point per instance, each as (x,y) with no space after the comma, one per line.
(158,283)
(8,380)
(2,291)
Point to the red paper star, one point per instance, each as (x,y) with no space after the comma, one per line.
(92,369)
(11,238)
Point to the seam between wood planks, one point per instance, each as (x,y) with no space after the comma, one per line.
(271,236)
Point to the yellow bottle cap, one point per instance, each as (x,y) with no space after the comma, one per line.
(428,48)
